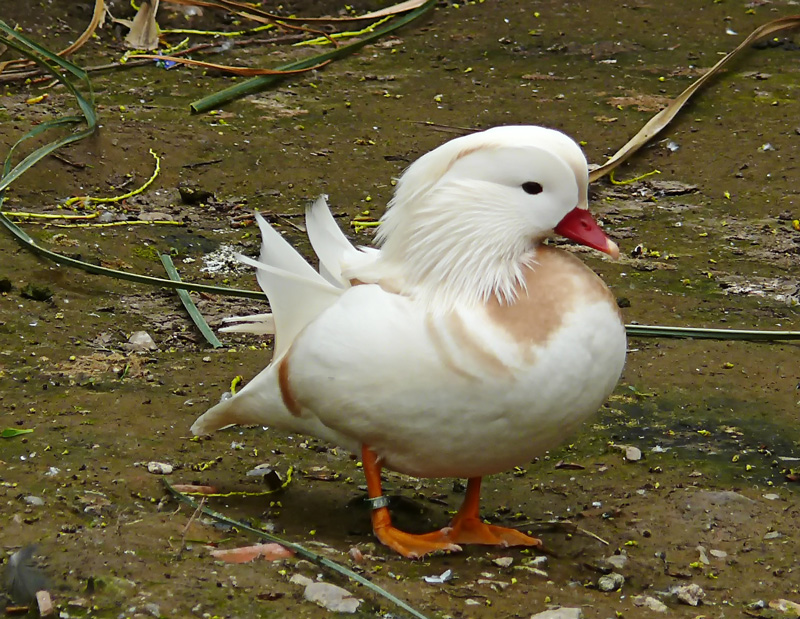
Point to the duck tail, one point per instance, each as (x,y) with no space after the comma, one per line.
(258,403)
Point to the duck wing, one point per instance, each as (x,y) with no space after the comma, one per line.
(333,248)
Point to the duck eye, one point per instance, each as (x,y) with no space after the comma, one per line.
(532,188)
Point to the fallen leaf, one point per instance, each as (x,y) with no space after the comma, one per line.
(12,432)
(245,554)
(195,489)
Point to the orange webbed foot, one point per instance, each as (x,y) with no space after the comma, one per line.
(414,546)
(467,527)
(473,531)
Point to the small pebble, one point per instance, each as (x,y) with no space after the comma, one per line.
(651,603)
(617,561)
(34,500)
(633,454)
(688,594)
(141,341)
(540,562)
(503,561)
(773,535)
(610,582)
(772,497)
(159,468)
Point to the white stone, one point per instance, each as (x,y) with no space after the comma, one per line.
(159,468)
(610,582)
(633,454)
(688,594)
(140,341)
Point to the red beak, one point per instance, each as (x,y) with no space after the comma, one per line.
(579,226)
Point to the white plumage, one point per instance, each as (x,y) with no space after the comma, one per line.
(464,346)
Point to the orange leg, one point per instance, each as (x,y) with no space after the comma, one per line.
(467,527)
(407,544)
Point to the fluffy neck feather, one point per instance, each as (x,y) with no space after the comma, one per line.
(445,249)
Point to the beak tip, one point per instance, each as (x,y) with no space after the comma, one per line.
(612,249)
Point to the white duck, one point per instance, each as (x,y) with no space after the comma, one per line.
(464,346)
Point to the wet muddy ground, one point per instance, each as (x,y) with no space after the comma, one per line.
(708,242)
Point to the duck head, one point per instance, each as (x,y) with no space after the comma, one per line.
(468,216)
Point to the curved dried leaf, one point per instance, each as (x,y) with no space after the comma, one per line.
(665,116)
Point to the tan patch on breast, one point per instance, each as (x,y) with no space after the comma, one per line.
(289,399)
(556,284)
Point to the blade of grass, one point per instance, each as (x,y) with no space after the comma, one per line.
(710,334)
(297,548)
(258,84)
(191,308)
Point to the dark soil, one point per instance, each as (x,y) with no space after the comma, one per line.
(708,242)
